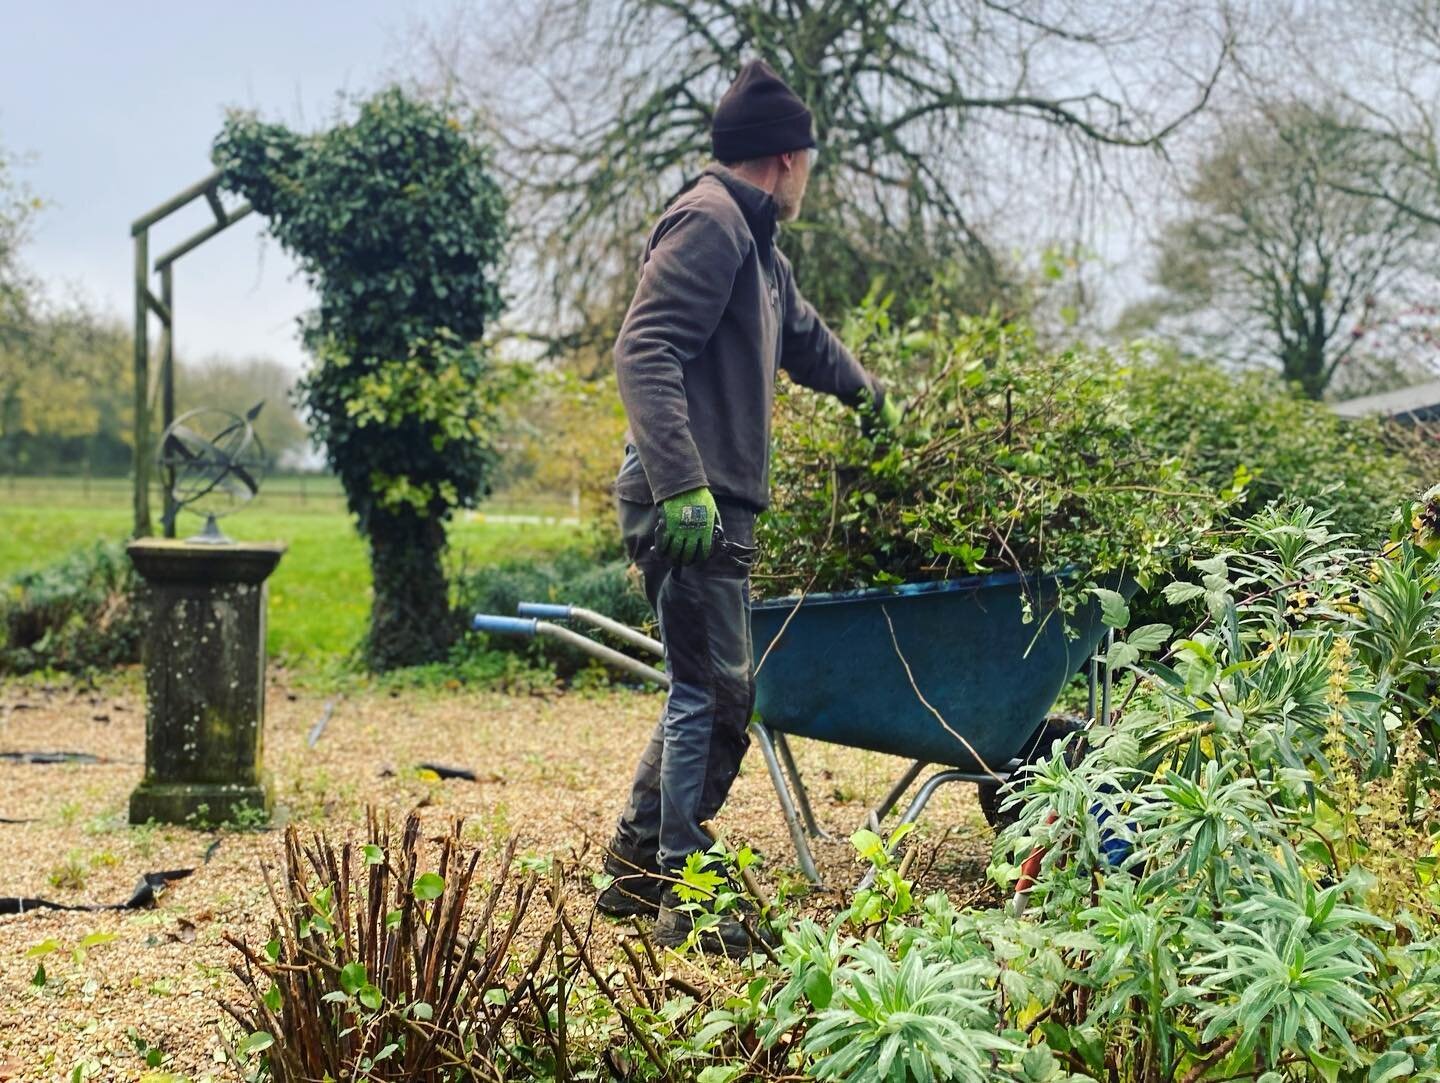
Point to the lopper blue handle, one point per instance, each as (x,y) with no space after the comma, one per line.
(544,610)
(512,626)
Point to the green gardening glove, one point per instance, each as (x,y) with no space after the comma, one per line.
(891,413)
(687,526)
(900,427)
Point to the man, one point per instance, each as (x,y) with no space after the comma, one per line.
(715,316)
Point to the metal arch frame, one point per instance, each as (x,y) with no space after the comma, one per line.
(161,382)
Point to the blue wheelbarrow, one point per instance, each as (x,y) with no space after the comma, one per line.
(948,674)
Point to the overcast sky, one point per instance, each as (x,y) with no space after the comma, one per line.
(115,106)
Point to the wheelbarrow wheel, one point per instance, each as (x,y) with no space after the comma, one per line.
(993,794)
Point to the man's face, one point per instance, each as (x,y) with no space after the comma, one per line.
(790,192)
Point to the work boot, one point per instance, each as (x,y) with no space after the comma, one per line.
(727,937)
(635,886)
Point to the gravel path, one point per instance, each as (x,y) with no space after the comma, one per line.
(551,770)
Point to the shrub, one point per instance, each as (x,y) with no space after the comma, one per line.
(1012,457)
(1285,446)
(79,614)
(373,969)
(1241,871)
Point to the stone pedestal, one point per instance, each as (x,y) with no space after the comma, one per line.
(204,653)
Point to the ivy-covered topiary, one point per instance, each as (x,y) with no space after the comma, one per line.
(396,221)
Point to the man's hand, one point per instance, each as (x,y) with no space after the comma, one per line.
(687,526)
(890,413)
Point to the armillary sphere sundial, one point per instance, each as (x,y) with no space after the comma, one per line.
(204,645)
(213,462)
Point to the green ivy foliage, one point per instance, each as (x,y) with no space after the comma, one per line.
(398,224)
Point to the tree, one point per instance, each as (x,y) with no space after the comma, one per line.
(65,392)
(1378,58)
(17,293)
(397,223)
(1275,259)
(602,111)
(17,209)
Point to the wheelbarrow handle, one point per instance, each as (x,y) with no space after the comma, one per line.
(623,632)
(531,628)
(544,610)
(510,626)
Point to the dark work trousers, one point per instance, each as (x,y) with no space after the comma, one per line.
(694,753)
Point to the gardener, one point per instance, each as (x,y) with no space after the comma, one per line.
(714,318)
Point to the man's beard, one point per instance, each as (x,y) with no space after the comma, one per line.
(788,202)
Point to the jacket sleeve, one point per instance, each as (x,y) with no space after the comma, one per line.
(813,355)
(684,288)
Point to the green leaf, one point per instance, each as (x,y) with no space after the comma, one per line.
(1165,673)
(353,978)
(1113,609)
(370,997)
(39,979)
(373,854)
(1120,654)
(720,1073)
(1178,593)
(422,1011)
(94,940)
(255,1043)
(868,844)
(1392,1064)
(45,947)
(819,988)
(1149,637)
(272,950)
(428,886)
(896,836)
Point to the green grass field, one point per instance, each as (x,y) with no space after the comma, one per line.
(320,594)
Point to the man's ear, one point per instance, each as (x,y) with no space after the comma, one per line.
(787,160)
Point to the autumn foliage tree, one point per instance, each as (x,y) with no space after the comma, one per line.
(397,223)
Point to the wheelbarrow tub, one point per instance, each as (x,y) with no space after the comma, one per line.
(836,675)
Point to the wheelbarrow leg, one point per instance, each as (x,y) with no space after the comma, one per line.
(802,795)
(892,798)
(787,803)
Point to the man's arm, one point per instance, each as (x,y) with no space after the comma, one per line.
(813,355)
(684,288)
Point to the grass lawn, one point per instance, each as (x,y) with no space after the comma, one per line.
(320,594)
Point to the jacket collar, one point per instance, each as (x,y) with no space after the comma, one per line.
(757,205)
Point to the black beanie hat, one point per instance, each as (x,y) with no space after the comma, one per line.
(759,116)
